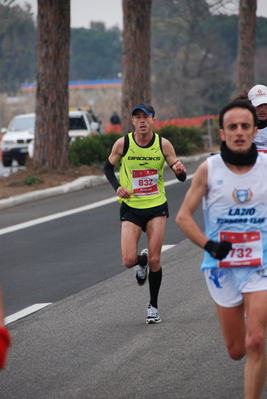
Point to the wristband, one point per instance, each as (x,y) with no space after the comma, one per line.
(182,176)
(174,163)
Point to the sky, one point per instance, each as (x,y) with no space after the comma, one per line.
(107,11)
(84,11)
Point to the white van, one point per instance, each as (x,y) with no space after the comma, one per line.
(83,122)
(18,140)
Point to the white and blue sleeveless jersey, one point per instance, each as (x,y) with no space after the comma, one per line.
(235,203)
(261,139)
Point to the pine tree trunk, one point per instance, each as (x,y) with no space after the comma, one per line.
(135,57)
(52,122)
(246,44)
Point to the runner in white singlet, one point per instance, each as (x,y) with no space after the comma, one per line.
(258,98)
(233,189)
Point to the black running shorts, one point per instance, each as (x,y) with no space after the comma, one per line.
(140,217)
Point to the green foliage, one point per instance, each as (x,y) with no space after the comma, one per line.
(193,53)
(184,140)
(96,53)
(17,47)
(227,28)
(108,141)
(93,150)
(261,31)
(31,180)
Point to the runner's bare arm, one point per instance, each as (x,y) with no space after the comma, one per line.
(116,152)
(191,201)
(171,159)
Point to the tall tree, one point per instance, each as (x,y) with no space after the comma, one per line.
(52,123)
(135,57)
(189,68)
(246,44)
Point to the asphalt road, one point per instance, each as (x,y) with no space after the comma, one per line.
(52,260)
(92,341)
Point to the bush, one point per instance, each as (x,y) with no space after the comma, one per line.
(184,140)
(95,149)
(92,150)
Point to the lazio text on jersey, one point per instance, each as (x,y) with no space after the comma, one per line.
(141,172)
(235,210)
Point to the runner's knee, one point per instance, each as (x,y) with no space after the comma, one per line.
(255,342)
(154,263)
(236,350)
(128,260)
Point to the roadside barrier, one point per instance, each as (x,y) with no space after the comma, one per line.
(187,122)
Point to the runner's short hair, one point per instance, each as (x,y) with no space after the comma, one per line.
(238,104)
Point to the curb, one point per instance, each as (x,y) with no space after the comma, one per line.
(76,185)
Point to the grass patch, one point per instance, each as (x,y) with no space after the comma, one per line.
(31,180)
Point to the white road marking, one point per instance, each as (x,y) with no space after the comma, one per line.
(166,247)
(38,306)
(25,312)
(59,215)
(170,182)
(34,308)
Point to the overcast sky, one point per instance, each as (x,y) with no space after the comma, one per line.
(108,11)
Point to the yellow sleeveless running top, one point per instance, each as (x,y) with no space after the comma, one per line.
(141,171)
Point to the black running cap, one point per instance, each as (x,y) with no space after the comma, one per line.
(146,108)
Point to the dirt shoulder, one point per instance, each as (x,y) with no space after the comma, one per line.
(29,179)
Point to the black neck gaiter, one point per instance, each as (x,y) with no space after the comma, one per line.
(239,159)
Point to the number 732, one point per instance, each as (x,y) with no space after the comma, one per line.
(241,252)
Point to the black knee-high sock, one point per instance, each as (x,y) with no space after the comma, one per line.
(154,279)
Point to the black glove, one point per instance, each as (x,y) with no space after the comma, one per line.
(181,177)
(218,250)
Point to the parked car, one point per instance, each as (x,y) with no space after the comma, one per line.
(18,140)
(14,143)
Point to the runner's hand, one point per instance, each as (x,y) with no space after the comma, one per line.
(178,167)
(179,170)
(123,192)
(218,250)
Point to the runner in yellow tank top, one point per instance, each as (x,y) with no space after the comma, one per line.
(141,172)
(142,155)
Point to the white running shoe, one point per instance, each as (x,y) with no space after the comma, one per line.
(152,315)
(141,271)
